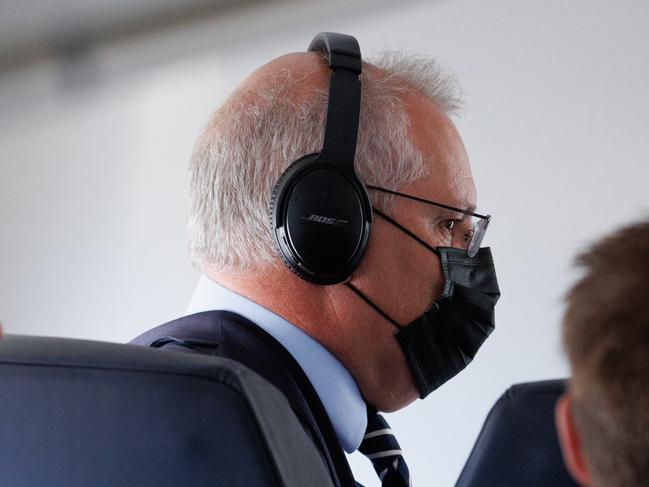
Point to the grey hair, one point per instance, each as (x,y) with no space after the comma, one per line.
(254,137)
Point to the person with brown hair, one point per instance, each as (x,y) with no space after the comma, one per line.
(603,419)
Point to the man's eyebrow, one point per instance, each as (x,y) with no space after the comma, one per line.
(464,204)
(439,213)
(450,213)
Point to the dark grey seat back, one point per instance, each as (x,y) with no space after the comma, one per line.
(518,445)
(81,413)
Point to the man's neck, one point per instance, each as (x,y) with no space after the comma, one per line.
(331,379)
(298,301)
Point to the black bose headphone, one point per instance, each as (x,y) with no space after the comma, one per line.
(320,212)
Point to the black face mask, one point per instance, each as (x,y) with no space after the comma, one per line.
(441,342)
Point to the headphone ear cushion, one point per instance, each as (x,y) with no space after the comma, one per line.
(273,211)
(281,183)
(321,219)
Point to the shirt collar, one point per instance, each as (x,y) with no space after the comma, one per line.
(332,381)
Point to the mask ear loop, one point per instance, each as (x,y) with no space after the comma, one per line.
(372,305)
(405,230)
(365,298)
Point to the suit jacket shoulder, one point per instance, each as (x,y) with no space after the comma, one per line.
(229,335)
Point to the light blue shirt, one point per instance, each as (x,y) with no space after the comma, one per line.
(332,381)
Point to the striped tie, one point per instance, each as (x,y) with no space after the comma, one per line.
(381,447)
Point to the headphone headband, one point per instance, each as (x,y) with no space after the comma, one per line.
(341,50)
(341,128)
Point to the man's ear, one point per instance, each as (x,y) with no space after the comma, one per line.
(570,440)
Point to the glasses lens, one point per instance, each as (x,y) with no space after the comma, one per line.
(478,234)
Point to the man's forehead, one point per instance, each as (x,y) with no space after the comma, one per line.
(449,178)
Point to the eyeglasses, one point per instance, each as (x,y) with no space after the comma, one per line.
(473,236)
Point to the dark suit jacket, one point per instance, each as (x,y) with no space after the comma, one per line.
(227,334)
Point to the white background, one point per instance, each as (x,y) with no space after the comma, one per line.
(93,159)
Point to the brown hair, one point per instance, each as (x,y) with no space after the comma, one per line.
(606,335)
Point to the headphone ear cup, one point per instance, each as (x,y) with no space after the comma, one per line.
(320,213)
(321,220)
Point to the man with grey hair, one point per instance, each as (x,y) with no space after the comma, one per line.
(416,308)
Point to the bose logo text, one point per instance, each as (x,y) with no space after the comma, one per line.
(324,219)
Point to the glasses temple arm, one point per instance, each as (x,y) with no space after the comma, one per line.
(421,200)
